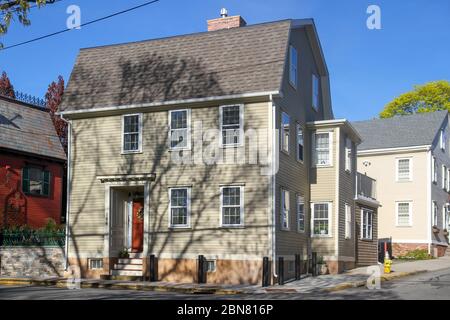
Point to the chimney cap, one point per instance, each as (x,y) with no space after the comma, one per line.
(223,12)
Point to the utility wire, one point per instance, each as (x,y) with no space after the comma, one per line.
(82,25)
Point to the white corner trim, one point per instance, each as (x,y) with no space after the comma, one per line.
(337,187)
(429,182)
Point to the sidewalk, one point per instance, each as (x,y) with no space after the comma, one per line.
(326,283)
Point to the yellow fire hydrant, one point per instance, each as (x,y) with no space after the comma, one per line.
(387,265)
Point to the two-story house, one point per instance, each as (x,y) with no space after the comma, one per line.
(409,156)
(221,143)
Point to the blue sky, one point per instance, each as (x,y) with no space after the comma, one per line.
(367,67)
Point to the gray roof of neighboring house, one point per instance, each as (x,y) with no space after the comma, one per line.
(28,129)
(400,131)
(241,60)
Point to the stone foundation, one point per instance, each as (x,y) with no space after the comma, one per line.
(336,267)
(32,261)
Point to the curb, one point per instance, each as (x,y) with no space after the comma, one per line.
(62,283)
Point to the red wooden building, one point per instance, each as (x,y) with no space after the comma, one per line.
(32,162)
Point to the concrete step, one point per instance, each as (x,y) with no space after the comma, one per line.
(127,266)
(135,255)
(135,273)
(130,261)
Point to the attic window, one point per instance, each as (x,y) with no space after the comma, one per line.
(35,181)
(293,57)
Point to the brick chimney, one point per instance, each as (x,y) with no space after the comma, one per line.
(226,22)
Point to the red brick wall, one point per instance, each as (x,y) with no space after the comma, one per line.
(38,208)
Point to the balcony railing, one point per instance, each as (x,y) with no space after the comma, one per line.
(26,98)
(366,186)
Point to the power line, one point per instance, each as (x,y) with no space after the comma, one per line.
(82,25)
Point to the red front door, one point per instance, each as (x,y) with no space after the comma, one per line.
(138,226)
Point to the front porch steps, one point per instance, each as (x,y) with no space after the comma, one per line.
(128,267)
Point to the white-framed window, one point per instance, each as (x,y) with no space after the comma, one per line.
(348,221)
(285,209)
(321,219)
(300,143)
(132,133)
(300,214)
(444,217)
(285,131)
(179,207)
(444,177)
(180,129)
(322,148)
(404,213)
(443,139)
(447,217)
(435,214)
(232,125)
(404,169)
(434,169)
(232,206)
(95,264)
(448,180)
(348,155)
(293,63)
(211,265)
(315,92)
(366,224)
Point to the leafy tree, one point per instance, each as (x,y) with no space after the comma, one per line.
(54,96)
(6,88)
(430,97)
(10,9)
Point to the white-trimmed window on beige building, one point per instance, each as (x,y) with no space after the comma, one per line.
(132,133)
(322,151)
(321,219)
(285,209)
(348,221)
(404,214)
(232,206)
(366,224)
(179,207)
(301,214)
(232,125)
(179,129)
(404,169)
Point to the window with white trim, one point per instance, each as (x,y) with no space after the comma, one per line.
(444,217)
(300,214)
(321,219)
(315,92)
(231,125)
(404,169)
(348,221)
(300,143)
(179,122)
(322,148)
(366,224)
(434,169)
(232,206)
(179,207)
(211,265)
(448,180)
(285,131)
(348,155)
(444,177)
(285,208)
(132,133)
(293,61)
(404,214)
(95,264)
(435,214)
(443,139)
(447,217)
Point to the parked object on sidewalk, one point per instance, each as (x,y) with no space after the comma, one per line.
(387,266)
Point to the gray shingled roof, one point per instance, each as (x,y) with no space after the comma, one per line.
(27,129)
(400,131)
(224,62)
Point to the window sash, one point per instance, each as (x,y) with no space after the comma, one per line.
(179,129)
(348,154)
(285,208)
(323,223)
(348,221)
(322,148)
(293,66)
(179,214)
(435,214)
(36,181)
(131,133)
(231,131)
(300,143)
(434,169)
(301,214)
(404,169)
(367,224)
(285,131)
(232,214)
(444,177)
(404,214)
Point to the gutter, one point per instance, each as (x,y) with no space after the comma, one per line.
(273,184)
(69,152)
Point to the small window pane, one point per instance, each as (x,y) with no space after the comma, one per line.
(403,210)
(231,206)
(404,169)
(231,125)
(179,207)
(322,148)
(321,219)
(131,133)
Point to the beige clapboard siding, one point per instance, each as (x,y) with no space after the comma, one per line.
(367,250)
(347,190)
(96,151)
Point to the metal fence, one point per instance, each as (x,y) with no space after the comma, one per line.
(367,187)
(32,238)
(27,98)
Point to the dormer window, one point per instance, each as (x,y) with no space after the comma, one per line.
(293,57)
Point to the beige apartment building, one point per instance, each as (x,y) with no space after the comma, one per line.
(409,156)
(221,144)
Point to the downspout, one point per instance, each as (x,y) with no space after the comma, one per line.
(272,111)
(69,147)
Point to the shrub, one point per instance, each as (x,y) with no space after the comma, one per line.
(418,254)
